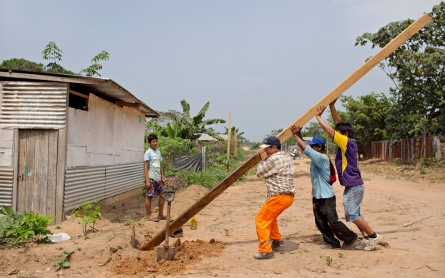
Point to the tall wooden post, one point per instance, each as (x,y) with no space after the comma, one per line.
(235,144)
(228,142)
(286,133)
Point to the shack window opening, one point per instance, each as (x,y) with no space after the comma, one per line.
(78,101)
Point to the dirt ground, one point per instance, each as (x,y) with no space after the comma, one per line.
(225,241)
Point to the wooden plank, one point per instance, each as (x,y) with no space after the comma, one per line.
(129,104)
(29,170)
(21,190)
(78,80)
(335,93)
(15,166)
(61,164)
(41,170)
(52,174)
(78,94)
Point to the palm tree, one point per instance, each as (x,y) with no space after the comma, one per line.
(185,126)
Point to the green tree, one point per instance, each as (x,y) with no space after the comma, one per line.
(417,70)
(239,135)
(22,64)
(312,130)
(193,127)
(273,132)
(95,67)
(53,54)
(368,115)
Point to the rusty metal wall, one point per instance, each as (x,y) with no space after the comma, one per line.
(407,150)
(28,105)
(100,182)
(6,179)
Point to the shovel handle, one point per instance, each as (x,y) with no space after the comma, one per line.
(167,235)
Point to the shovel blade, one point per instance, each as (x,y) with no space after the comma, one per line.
(166,253)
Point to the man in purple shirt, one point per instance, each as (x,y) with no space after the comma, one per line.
(346,162)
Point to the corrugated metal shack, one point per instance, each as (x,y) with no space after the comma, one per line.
(64,139)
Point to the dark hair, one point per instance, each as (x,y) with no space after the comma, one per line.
(279,147)
(345,127)
(323,147)
(151,137)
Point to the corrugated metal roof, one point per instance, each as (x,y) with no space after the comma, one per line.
(105,86)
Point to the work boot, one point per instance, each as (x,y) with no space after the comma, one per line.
(263,256)
(277,244)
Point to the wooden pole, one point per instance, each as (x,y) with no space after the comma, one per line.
(228,141)
(235,144)
(286,133)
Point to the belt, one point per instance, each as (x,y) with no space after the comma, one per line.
(286,194)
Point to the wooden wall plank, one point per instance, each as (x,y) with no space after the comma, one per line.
(41,170)
(302,120)
(61,164)
(29,170)
(21,191)
(15,166)
(52,174)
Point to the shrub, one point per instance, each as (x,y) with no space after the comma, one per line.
(89,212)
(18,227)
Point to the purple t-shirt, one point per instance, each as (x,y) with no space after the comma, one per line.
(346,161)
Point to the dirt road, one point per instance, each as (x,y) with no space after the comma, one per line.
(393,197)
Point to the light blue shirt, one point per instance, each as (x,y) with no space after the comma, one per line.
(320,172)
(154,159)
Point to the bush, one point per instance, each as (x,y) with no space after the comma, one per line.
(17,227)
(89,212)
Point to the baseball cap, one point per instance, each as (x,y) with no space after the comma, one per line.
(317,140)
(270,141)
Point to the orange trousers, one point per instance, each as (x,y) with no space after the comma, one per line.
(266,220)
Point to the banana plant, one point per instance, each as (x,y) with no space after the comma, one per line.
(188,127)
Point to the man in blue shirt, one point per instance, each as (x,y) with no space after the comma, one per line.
(323,201)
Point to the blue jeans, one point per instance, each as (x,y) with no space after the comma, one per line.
(352,199)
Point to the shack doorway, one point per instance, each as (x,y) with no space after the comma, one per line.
(37,171)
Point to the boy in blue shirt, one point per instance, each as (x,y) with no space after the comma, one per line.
(346,162)
(154,178)
(323,201)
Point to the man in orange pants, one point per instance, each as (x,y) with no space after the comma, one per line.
(278,170)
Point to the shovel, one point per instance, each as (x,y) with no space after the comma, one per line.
(167,252)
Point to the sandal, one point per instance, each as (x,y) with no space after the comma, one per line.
(154,219)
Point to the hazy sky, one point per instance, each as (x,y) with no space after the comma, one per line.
(266,62)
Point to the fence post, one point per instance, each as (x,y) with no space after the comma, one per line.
(203,161)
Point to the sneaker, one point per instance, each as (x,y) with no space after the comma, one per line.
(372,243)
(361,244)
(263,256)
(347,245)
(328,246)
(277,244)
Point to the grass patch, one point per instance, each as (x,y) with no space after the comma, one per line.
(302,174)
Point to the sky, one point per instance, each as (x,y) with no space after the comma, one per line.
(265,62)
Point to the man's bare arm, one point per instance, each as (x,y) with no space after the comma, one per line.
(334,112)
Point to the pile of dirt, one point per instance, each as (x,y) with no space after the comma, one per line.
(187,255)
